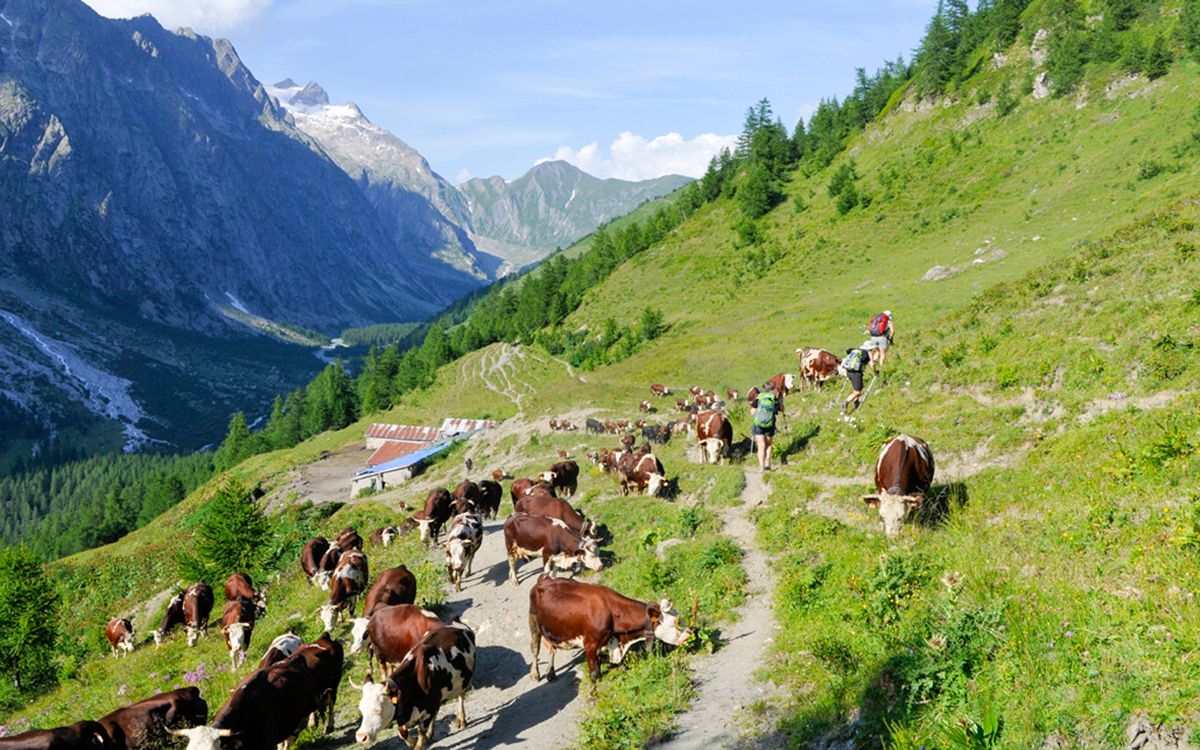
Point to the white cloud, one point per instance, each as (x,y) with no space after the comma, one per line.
(202,15)
(633,157)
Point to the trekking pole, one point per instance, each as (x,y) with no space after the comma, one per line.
(867,392)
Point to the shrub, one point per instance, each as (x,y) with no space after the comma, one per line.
(1006,101)
(896,583)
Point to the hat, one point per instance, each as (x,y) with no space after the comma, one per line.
(888,313)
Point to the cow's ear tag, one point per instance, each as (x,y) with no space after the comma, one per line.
(394,699)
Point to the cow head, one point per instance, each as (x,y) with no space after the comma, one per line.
(655,483)
(328,615)
(376,707)
(590,555)
(711,449)
(892,509)
(667,628)
(789,381)
(358,633)
(203,738)
(193,635)
(237,636)
(426,527)
(322,579)
(389,533)
(159,636)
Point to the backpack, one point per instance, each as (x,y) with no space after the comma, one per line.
(764,416)
(854,361)
(879,325)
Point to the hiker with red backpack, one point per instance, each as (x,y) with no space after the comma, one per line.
(882,330)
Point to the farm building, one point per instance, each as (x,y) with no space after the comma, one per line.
(395,471)
(379,434)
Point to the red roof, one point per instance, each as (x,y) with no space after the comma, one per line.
(420,433)
(453,426)
(392,450)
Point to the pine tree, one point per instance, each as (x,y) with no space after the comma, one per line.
(651,324)
(937,57)
(29,608)
(1158,59)
(757,195)
(1120,14)
(1189,27)
(232,536)
(237,444)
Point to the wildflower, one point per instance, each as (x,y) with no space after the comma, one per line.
(937,641)
(153,675)
(1069,634)
(952,580)
(3,730)
(122,690)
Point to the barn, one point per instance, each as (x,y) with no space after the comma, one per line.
(396,471)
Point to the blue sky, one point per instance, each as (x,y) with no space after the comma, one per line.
(484,88)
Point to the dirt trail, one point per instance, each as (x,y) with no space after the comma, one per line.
(725,681)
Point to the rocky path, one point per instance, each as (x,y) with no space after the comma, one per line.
(725,681)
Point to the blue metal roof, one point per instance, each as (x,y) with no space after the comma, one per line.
(404,462)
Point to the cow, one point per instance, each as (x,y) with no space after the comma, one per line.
(237,623)
(119,632)
(311,556)
(281,648)
(560,548)
(466,497)
(565,425)
(573,614)
(594,426)
(438,669)
(82,735)
(627,442)
(681,426)
(543,504)
(660,390)
(731,394)
(695,390)
(903,474)
(817,366)
(610,427)
(622,424)
(394,586)
(752,394)
(784,384)
(439,506)
(197,606)
(391,632)
(348,539)
(239,586)
(384,536)
(172,619)
(462,542)
(643,471)
(714,434)
(554,425)
(489,498)
(681,404)
(499,475)
(563,475)
(519,488)
(148,723)
(349,580)
(270,706)
(645,407)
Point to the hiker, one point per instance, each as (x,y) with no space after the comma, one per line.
(763,410)
(855,361)
(882,330)
(470,464)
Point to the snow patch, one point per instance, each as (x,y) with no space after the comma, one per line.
(4,18)
(237,303)
(573,192)
(101,393)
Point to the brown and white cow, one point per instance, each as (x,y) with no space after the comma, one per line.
(544,504)
(660,390)
(311,556)
(714,434)
(197,606)
(439,507)
(644,407)
(391,632)
(490,493)
(696,390)
(82,735)
(499,475)
(438,669)
(817,366)
(172,619)
(462,542)
(903,474)
(148,723)
(466,497)
(554,425)
(519,487)
(643,471)
(349,580)
(237,624)
(573,614)
(281,648)
(731,394)
(119,632)
(527,536)
(239,586)
(384,536)
(394,586)
(564,476)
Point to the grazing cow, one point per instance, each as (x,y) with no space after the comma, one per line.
(695,390)
(565,425)
(148,723)
(681,404)
(489,498)
(311,557)
(348,539)
(573,614)
(752,394)
(172,619)
(499,475)
(281,648)
(714,433)
(660,390)
(622,424)
(903,474)
(644,407)
(119,632)
(439,507)
(391,632)
(610,427)
(817,366)
(82,735)
(643,471)
(554,425)
(237,623)
(462,542)
(438,669)
(394,586)
(270,706)
(731,394)
(594,425)
(543,504)
(681,426)
(560,548)
(466,497)
(519,488)
(563,475)
(197,606)
(349,580)
(627,442)
(239,586)
(384,536)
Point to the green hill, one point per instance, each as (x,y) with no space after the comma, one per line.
(1041,257)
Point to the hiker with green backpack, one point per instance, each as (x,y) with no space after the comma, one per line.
(763,410)
(855,361)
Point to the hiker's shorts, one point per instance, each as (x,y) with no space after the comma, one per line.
(879,342)
(856,379)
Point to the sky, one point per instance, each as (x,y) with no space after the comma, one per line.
(620,88)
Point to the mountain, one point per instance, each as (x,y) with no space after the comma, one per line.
(156,201)
(551,206)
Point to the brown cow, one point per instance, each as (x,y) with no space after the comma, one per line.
(82,735)
(817,366)
(785,383)
(644,407)
(237,623)
(466,497)
(565,425)
(610,427)
(239,586)
(349,580)
(197,606)
(311,556)
(519,488)
(489,498)
(119,632)
(573,614)
(560,548)
(543,504)
(903,474)
(554,425)
(732,394)
(438,669)
(643,471)
(696,390)
(714,434)
(660,390)
(627,442)
(439,507)
(391,632)
(148,723)
(348,539)
(172,619)
(499,475)
(281,648)
(563,475)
